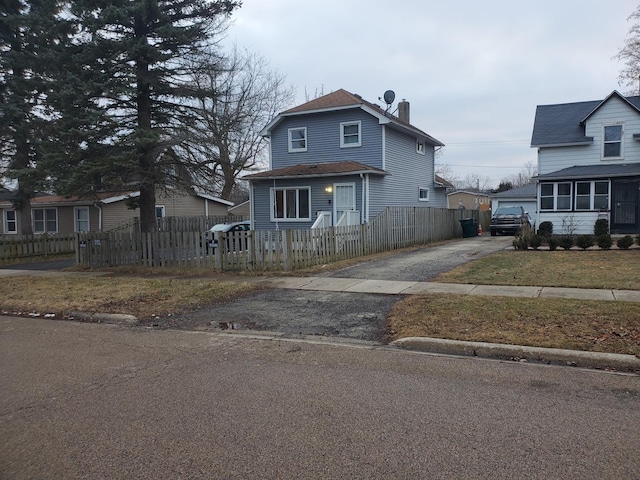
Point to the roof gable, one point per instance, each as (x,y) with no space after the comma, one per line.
(564,123)
(341,100)
(612,95)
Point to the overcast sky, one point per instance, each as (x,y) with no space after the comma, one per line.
(473,71)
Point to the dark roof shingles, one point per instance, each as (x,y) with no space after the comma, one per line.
(560,124)
(317,169)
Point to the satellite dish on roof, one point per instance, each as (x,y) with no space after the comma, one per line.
(389,97)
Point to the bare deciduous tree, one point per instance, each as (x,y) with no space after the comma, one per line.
(630,55)
(241,96)
(523,177)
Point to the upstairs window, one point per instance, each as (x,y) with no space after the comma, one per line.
(612,144)
(298,139)
(10,221)
(420,147)
(350,134)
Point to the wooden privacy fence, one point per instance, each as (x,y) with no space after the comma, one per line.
(397,227)
(14,247)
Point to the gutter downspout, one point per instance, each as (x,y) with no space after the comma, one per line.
(368,202)
(364,193)
(97,205)
(251,206)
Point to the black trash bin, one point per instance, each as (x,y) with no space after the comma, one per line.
(469,227)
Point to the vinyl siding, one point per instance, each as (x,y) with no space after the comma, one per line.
(323,140)
(551,159)
(319,199)
(409,171)
(584,221)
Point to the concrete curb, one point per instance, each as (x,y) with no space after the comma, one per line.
(116,318)
(575,358)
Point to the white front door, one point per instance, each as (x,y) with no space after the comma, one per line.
(344,199)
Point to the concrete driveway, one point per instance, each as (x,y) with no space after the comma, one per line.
(425,263)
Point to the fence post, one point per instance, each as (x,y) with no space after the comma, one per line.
(287,250)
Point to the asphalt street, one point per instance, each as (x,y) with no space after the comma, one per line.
(88,401)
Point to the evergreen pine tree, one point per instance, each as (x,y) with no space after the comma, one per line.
(127,99)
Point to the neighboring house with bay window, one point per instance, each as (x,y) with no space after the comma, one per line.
(341,160)
(57,214)
(589,164)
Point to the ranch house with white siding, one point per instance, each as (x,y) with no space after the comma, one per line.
(589,164)
(341,160)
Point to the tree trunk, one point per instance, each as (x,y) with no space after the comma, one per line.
(24,215)
(146,144)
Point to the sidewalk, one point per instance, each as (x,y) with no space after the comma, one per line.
(419,288)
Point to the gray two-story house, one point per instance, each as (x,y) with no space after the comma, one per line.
(341,160)
(589,164)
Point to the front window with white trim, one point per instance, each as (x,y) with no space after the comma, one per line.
(291,203)
(81,219)
(298,139)
(592,195)
(350,135)
(10,221)
(423,194)
(555,196)
(160,211)
(45,220)
(612,145)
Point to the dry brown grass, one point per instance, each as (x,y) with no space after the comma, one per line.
(613,269)
(612,327)
(599,326)
(142,297)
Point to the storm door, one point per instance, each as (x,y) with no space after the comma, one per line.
(344,200)
(624,207)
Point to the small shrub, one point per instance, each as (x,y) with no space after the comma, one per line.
(520,242)
(565,242)
(535,241)
(604,241)
(553,243)
(601,227)
(584,241)
(625,242)
(545,229)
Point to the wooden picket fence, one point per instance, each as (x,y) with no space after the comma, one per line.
(183,243)
(18,247)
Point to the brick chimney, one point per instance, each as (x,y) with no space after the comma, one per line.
(403,111)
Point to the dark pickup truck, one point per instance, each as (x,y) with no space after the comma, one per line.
(509,220)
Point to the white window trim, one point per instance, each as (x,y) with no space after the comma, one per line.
(272,203)
(555,197)
(422,189)
(423,150)
(164,211)
(75,219)
(348,124)
(621,156)
(592,194)
(290,140)
(44,209)
(14,221)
